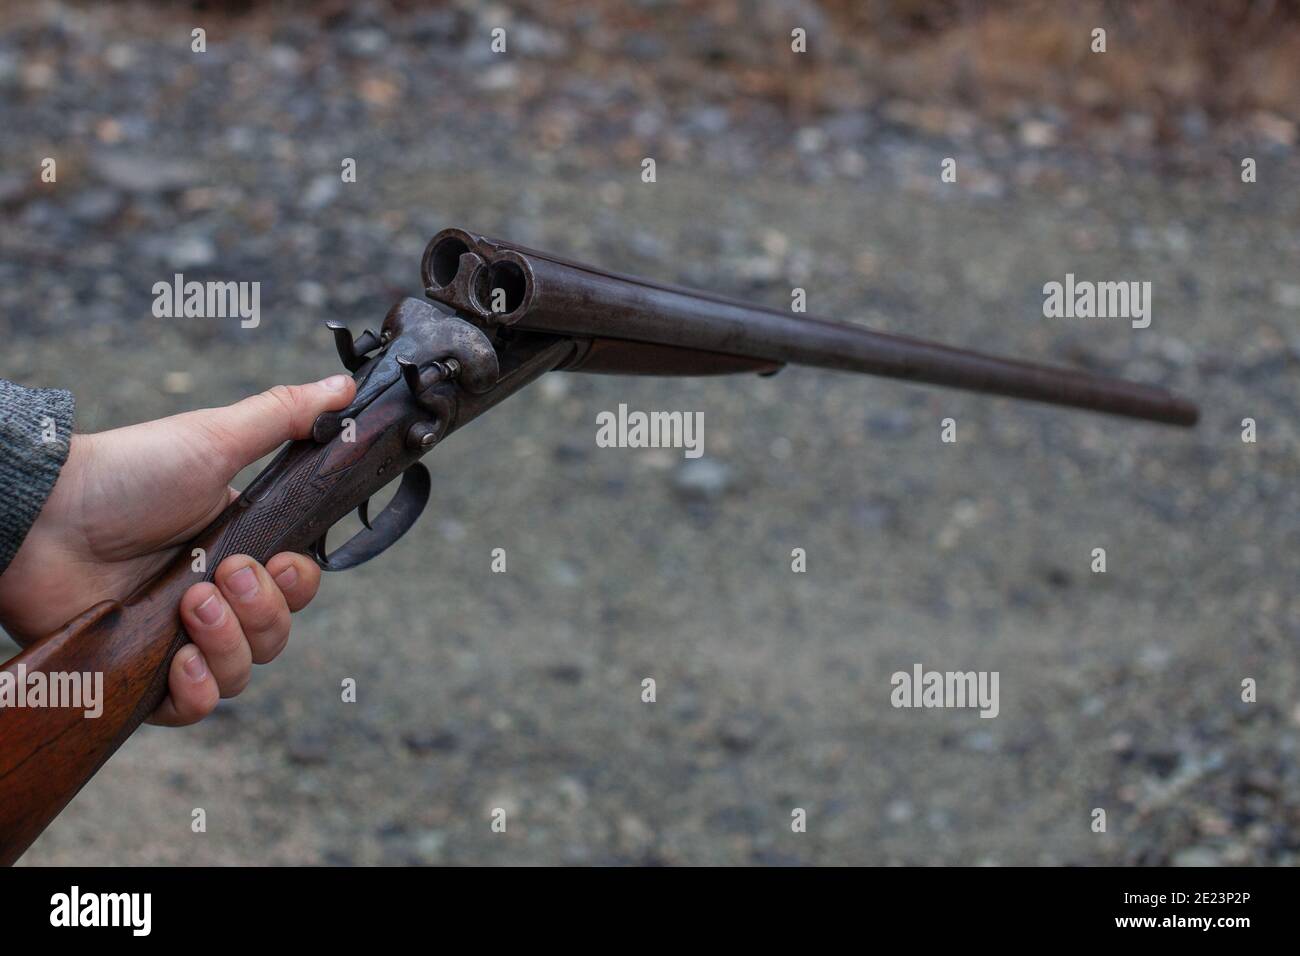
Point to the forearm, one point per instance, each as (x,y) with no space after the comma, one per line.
(35,426)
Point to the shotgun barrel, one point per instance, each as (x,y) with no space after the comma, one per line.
(497,282)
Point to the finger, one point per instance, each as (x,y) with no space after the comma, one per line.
(297,576)
(215,628)
(193,690)
(259,424)
(262,610)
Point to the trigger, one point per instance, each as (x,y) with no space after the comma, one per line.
(391,523)
(318,550)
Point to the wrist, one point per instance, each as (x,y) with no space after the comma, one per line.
(35,433)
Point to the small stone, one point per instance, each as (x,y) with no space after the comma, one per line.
(1153,657)
(1057,577)
(736,820)
(1177,238)
(565,673)
(13,186)
(1175,351)
(566,451)
(1195,124)
(634,831)
(441,741)
(178,383)
(774,242)
(144,173)
(240,139)
(308,749)
(810,140)
(643,46)
(658,459)
(37,75)
(1277,128)
(565,574)
(1139,127)
(1196,856)
(890,423)
(709,119)
(119,56)
(1236,854)
(1037,134)
(311,294)
(874,514)
(199,199)
(757,268)
(506,801)
(739,734)
(611,194)
(898,811)
(452,530)
(851,126)
(283,59)
(702,478)
(367,42)
(1287,295)
(428,843)
(189,251)
(552,388)
(503,76)
(532,40)
(321,191)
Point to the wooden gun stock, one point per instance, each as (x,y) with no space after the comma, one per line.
(48,753)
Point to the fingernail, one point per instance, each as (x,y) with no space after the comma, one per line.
(335,383)
(211,611)
(243,582)
(287,578)
(196,668)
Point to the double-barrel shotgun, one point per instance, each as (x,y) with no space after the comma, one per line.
(500,316)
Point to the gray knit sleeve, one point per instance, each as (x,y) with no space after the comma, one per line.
(35,427)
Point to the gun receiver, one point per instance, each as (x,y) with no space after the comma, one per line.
(514,314)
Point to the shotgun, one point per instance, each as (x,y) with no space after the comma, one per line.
(500,316)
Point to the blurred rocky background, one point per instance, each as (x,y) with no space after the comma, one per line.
(820,170)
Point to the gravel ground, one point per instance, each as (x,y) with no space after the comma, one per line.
(522,690)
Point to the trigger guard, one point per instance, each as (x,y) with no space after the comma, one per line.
(385,528)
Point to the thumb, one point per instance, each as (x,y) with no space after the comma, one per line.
(247,430)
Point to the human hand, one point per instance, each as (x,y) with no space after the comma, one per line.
(124,502)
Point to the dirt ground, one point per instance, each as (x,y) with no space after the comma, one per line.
(522,690)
